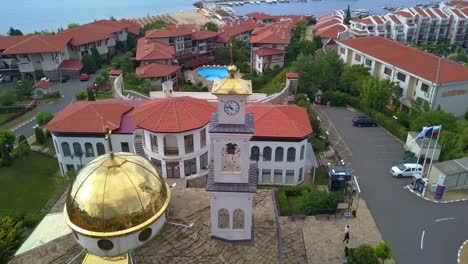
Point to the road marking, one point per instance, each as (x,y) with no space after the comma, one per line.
(445,219)
(422,238)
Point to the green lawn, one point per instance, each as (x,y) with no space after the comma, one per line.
(276,84)
(3,117)
(321,176)
(104,96)
(28,184)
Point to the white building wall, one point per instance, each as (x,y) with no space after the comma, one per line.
(452,98)
(284,165)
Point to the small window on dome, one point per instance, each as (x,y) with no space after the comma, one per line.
(105,244)
(145,234)
(75,235)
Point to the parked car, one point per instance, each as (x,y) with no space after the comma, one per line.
(84,77)
(7,78)
(360,121)
(64,78)
(45,79)
(406,170)
(2,78)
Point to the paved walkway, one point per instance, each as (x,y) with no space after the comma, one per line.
(44,150)
(463,254)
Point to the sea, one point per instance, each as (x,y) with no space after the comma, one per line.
(32,15)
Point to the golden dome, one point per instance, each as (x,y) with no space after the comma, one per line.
(116,196)
(232,84)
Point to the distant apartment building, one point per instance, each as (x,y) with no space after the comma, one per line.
(240,30)
(262,18)
(51,55)
(331,27)
(437,81)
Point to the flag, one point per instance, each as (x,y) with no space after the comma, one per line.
(429,132)
(421,134)
(436,130)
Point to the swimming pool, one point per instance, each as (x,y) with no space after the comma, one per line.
(213,73)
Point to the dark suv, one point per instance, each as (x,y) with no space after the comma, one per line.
(363,121)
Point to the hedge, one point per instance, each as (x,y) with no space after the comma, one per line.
(11,109)
(283,202)
(387,122)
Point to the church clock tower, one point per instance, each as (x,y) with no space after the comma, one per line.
(232,180)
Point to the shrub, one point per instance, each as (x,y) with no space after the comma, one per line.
(81,96)
(318,144)
(283,202)
(105,74)
(6,158)
(21,150)
(40,138)
(44,117)
(22,138)
(364,254)
(337,98)
(8,98)
(90,95)
(354,102)
(296,190)
(11,237)
(316,202)
(10,109)
(383,251)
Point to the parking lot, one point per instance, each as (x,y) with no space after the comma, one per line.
(418,231)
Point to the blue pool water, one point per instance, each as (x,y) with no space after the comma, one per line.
(212,73)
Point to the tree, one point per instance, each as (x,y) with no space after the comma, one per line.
(466,115)
(14,32)
(376,94)
(43,118)
(40,138)
(105,75)
(21,150)
(5,155)
(81,96)
(96,57)
(112,18)
(364,254)
(11,237)
(24,88)
(22,138)
(89,65)
(7,138)
(131,42)
(90,95)
(73,25)
(8,98)
(158,24)
(348,16)
(211,26)
(431,118)
(418,106)
(352,77)
(383,252)
(99,81)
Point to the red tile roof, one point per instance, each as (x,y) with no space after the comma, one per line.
(81,35)
(332,32)
(293,18)
(275,33)
(458,4)
(90,117)
(238,27)
(292,75)
(39,44)
(204,34)
(378,20)
(260,16)
(431,13)
(412,60)
(173,114)
(366,20)
(43,84)
(172,31)
(152,50)
(326,24)
(459,13)
(440,13)
(71,65)
(131,26)
(404,14)
(420,11)
(198,61)
(8,41)
(262,52)
(115,72)
(222,38)
(280,121)
(155,70)
(395,19)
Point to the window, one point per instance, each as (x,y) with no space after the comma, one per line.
(401,77)
(157,164)
(388,71)
(89,149)
(223,218)
(342,50)
(204,161)
(188,142)
(154,143)
(299,177)
(357,57)
(105,244)
(266,154)
(100,149)
(190,167)
(289,176)
(369,62)
(279,154)
(291,155)
(70,167)
(254,153)
(203,138)
(302,152)
(424,87)
(66,149)
(77,149)
(266,176)
(231,158)
(124,146)
(238,219)
(145,234)
(278,176)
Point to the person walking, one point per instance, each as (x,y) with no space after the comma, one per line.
(346,235)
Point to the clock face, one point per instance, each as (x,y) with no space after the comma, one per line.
(231,107)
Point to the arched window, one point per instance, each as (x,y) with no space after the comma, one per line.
(238,219)
(266,154)
(279,154)
(254,153)
(89,149)
(77,149)
(302,152)
(291,157)
(223,218)
(66,149)
(100,149)
(231,158)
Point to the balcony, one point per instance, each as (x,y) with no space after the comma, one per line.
(171,151)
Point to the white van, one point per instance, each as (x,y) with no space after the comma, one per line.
(406,170)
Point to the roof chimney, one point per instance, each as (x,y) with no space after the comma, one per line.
(167,88)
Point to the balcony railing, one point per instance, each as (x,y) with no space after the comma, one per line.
(171,151)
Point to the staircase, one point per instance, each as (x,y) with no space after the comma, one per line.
(139,145)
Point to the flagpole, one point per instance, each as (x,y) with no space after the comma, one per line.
(433,152)
(420,149)
(427,152)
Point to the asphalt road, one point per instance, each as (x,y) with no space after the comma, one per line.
(68,91)
(417,230)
